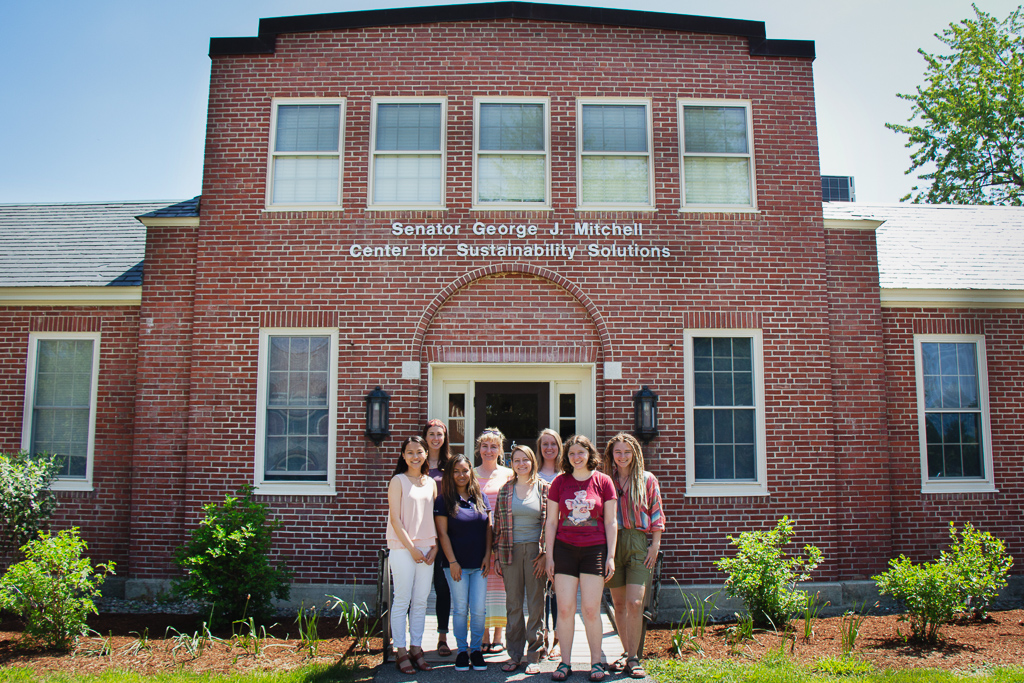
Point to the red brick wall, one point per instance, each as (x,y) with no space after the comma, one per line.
(863,505)
(254,268)
(103,513)
(920,521)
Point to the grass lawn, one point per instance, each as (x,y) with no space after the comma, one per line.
(781,671)
(318,673)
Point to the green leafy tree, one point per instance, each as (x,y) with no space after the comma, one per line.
(227,563)
(765,578)
(53,588)
(967,121)
(26,501)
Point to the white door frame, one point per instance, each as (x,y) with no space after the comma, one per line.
(562,378)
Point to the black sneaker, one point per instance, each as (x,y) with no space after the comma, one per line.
(462,661)
(478,661)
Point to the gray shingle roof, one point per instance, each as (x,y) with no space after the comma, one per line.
(942,246)
(186,209)
(73,245)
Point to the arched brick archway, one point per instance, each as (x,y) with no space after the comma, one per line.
(564,353)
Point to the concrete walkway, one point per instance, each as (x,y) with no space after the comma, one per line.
(444,667)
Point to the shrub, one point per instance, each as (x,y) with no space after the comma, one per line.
(765,578)
(929,592)
(980,563)
(226,561)
(52,589)
(26,501)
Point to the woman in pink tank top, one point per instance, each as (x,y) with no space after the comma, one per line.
(412,540)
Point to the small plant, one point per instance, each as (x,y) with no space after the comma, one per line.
(98,645)
(763,576)
(850,627)
(192,644)
(929,591)
(842,666)
(251,638)
(140,644)
(741,631)
(358,621)
(812,608)
(981,564)
(227,563)
(309,637)
(26,501)
(53,588)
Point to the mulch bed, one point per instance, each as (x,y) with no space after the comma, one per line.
(965,646)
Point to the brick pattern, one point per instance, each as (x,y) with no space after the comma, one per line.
(104,513)
(920,521)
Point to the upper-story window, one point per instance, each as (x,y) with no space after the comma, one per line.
(511,161)
(305,153)
(60,403)
(407,153)
(614,167)
(953,420)
(717,155)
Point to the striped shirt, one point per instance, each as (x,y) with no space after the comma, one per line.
(632,517)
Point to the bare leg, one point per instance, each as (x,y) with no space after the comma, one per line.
(629,608)
(591,588)
(565,590)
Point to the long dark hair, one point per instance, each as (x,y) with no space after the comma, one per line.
(451,492)
(593,457)
(443,454)
(402,466)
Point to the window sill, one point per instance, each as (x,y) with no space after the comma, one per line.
(718,209)
(524,208)
(71,485)
(281,208)
(733,490)
(612,208)
(959,486)
(294,488)
(406,207)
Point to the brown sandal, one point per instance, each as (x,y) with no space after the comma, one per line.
(634,669)
(420,661)
(408,669)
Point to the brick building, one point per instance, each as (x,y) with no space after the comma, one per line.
(517,214)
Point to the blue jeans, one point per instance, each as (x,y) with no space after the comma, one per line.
(469,595)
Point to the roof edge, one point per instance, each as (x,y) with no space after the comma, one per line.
(270,28)
(84,295)
(951,298)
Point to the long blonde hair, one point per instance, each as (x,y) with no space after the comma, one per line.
(534,467)
(486,435)
(540,451)
(635,488)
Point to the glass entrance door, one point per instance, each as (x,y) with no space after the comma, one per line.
(519,409)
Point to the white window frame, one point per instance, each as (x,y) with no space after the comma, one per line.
(681,105)
(443,152)
(546,153)
(272,154)
(705,489)
(985,483)
(62,483)
(296,488)
(649,205)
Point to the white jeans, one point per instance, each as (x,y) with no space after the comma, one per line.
(411,584)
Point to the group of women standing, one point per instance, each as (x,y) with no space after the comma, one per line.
(499,534)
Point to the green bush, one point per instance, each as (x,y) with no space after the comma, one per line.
(763,576)
(52,589)
(981,564)
(930,592)
(26,501)
(227,563)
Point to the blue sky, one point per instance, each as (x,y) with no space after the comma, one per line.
(106,100)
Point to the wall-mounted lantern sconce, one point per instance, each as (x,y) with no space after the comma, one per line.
(645,414)
(377,415)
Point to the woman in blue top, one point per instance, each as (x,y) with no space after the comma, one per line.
(463,522)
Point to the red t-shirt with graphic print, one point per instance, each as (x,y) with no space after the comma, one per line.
(581,507)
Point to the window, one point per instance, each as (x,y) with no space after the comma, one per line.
(614,164)
(717,161)
(60,403)
(511,153)
(407,153)
(725,429)
(296,411)
(305,153)
(953,421)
